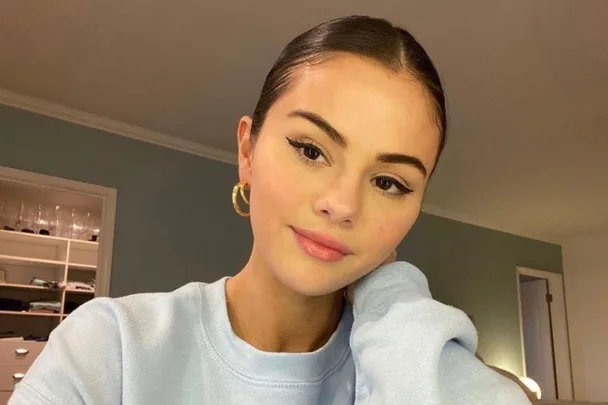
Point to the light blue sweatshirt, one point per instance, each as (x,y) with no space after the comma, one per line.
(396,346)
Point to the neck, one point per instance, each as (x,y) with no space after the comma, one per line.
(273,318)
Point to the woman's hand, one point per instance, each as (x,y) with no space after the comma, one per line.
(350,290)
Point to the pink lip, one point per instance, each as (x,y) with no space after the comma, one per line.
(321,246)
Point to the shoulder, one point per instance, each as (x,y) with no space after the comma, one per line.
(140,314)
(146,301)
(182,300)
(103,338)
(112,322)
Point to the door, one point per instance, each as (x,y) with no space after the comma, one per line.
(538,340)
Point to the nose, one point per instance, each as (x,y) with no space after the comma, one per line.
(340,203)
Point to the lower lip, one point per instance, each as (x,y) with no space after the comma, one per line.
(317,250)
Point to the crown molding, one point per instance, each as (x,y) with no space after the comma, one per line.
(86,119)
(471,220)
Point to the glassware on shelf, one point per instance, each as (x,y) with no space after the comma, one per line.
(54,218)
(78,228)
(92,225)
(86,234)
(3,218)
(95,226)
(63,222)
(27,217)
(10,214)
(46,220)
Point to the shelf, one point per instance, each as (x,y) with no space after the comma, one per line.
(80,266)
(28,287)
(81,292)
(84,245)
(36,288)
(30,262)
(23,313)
(32,238)
(46,240)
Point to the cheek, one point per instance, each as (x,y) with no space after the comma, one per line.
(274,193)
(385,230)
(380,235)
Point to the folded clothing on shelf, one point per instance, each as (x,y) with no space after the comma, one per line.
(10,304)
(44,306)
(9,334)
(36,338)
(77,285)
(39,282)
(13,337)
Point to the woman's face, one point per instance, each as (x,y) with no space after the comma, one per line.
(338,172)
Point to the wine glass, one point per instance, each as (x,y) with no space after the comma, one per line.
(95,226)
(10,214)
(92,225)
(3,219)
(46,220)
(63,222)
(78,225)
(28,215)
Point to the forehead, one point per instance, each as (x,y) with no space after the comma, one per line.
(376,109)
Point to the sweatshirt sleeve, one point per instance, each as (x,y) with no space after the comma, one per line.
(411,349)
(80,364)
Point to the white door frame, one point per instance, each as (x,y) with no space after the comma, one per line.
(559,323)
(108,214)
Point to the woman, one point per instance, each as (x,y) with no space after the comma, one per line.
(336,158)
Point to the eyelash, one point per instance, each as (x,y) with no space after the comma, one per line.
(301,146)
(403,190)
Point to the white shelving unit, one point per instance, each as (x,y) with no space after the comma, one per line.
(24,256)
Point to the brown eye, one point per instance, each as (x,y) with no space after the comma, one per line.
(391,186)
(384,183)
(311,152)
(308,152)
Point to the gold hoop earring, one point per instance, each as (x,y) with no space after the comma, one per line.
(239,189)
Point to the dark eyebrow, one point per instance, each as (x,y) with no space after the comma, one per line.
(322,124)
(333,133)
(403,159)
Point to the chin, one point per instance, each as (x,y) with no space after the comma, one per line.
(303,273)
(313,279)
(311,288)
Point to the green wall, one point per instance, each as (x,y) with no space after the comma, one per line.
(175,224)
(473,268)
(174,219)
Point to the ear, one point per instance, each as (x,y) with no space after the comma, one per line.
(246,146)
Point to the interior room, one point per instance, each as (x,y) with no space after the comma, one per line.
(118,158)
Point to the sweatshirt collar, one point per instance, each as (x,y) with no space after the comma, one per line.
(258,365)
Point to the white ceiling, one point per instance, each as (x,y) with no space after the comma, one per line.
(526,81)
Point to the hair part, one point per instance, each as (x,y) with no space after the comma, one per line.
(373,38)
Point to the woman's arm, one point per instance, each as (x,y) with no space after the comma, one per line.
(81,363)
(411,349)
